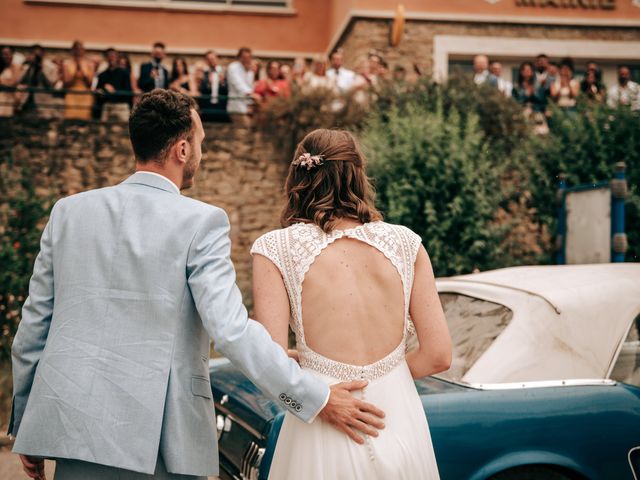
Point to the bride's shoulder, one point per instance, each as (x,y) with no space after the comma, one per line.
(404,239)
(277,245)
(267,237)
(270,241)
(281,233)
(399,230)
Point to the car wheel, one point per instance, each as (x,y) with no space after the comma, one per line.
(531,472)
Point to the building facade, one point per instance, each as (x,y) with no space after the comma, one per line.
(438,35)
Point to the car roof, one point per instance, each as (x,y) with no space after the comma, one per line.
(568,322)
(560,284)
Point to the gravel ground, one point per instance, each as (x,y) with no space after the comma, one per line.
(11,468)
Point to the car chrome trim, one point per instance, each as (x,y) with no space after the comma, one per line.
(633,470)
(508,287)
(241,423)
(251,460)
(536,384)
(218,362)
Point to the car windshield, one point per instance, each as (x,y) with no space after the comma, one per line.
(627,366)
(474,324)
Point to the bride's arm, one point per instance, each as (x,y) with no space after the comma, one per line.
(433,354)
(270,300)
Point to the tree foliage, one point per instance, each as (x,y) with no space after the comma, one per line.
(433,173)
(22,217)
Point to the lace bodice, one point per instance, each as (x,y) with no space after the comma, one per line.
(293,249)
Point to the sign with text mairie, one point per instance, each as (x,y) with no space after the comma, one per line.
(583,4)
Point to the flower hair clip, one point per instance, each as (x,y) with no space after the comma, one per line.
(308,161)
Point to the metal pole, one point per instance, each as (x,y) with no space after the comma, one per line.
(619,243)
(562,220)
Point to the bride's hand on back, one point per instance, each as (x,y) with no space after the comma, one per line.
(350,415)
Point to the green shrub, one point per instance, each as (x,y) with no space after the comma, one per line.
(586,146)
(407,126)
(288,120)
(433,173)
(22,217)
(500,119)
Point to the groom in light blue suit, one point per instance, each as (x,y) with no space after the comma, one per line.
(110,362)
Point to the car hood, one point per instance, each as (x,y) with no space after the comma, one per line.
(433,386)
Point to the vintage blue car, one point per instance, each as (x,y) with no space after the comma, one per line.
(544,385)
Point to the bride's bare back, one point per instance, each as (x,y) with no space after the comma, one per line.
(352,303)
(348,296)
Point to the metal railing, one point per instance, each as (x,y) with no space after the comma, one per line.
(24,100)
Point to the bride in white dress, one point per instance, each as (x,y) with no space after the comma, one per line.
(353,288)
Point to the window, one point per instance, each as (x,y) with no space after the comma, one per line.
(243,3)
(268,6)
(474,324)
(627,366)
(461,66)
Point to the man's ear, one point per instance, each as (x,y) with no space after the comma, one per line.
(182,151)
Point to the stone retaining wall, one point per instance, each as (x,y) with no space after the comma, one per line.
(242,171)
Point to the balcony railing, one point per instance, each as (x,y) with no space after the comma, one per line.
(33,100)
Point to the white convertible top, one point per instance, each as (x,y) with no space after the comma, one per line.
(568,323)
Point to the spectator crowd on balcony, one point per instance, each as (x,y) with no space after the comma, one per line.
(83,87)
(541,82)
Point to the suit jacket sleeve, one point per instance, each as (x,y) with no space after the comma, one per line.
(33,330)
(246,343)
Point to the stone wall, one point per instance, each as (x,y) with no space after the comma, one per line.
(364,35)
(242,171)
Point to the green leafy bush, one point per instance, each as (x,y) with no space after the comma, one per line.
(585,146)
(433,173)
(515,176)
(288,120)
(22,217)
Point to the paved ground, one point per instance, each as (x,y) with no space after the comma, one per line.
(11,468)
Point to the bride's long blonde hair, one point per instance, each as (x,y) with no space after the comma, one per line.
(337,188)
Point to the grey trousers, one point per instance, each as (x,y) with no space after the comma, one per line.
(78,470)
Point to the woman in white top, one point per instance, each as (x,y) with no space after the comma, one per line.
(317,78)
(565,89)
(354,289)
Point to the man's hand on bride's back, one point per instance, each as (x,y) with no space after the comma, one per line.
(350,415)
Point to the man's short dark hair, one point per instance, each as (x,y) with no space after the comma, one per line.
(158,121)
(108,51)
(243,50)
(159,45)
(542,55)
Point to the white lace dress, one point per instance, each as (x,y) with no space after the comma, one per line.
(403,450)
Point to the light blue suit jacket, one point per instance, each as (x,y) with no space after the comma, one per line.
(110,361)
